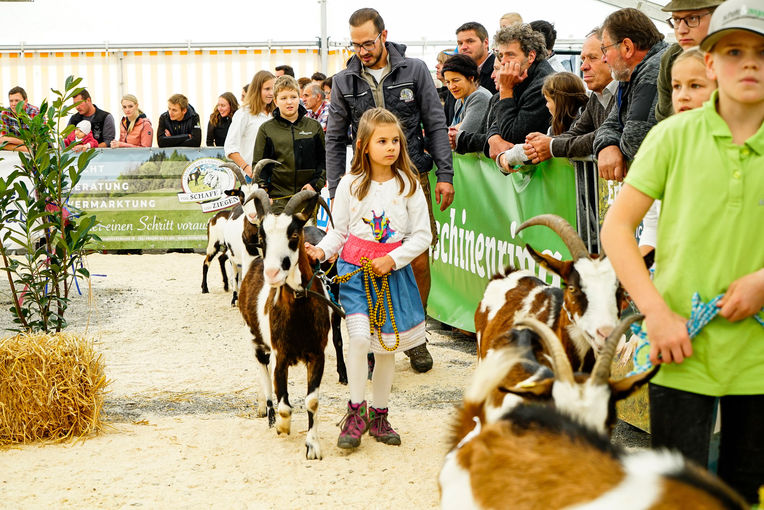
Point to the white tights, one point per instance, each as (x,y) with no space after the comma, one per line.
(358,369)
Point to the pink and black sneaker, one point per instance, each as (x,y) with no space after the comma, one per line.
(353,425)
(380,429)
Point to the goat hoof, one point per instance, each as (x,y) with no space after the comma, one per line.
(312,452)
(205,290)
(344,379)
(271,417)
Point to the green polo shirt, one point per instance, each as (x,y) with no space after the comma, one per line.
(710,233)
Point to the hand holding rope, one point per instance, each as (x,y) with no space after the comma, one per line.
(700,315)
(377,312)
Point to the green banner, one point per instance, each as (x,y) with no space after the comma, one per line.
(477,234)
(153,198)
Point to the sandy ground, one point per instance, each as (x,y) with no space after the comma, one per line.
(182,409)
(181,405)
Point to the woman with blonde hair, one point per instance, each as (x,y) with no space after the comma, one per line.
(256,108)
(134,128)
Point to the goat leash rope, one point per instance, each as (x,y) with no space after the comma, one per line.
(377,312)
(700,315)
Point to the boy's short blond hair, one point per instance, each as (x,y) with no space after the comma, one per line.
(285,83)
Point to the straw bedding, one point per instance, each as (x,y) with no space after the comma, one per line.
(51,388)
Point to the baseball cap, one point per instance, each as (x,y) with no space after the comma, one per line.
(733,15)
(689,5)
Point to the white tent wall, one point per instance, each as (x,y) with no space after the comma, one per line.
(154,75)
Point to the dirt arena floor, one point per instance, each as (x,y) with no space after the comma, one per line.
(183,431)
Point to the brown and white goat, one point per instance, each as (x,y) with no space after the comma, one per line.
(286,327)
(590,397)
(582,314)
(543,456)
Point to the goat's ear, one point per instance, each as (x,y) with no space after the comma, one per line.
(234,193)
(536,389)
(622,388)
(559,267)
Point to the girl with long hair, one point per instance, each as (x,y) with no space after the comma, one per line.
(220,120)
(381,223)
(256,108)
(565,99)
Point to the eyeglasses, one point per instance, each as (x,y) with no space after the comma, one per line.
(604,48)
(691,21)
(368,45)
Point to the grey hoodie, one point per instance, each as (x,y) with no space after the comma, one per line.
(409,92)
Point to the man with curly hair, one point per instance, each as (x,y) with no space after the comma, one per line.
(522,107)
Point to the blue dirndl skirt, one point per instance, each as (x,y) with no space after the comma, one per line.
(407,305)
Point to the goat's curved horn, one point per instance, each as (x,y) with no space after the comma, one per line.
(601,370)
(326,208)
(298,199)
(259,167)
(236,171)
(263,201)
(563,229)
(560,363)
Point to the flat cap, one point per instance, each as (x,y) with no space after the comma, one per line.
(690,5)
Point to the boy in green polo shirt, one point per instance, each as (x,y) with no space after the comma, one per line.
(294,140)
(707,166)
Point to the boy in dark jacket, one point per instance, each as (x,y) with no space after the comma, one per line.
(179,126)
(293,139)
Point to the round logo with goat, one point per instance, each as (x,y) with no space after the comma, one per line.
(207,176)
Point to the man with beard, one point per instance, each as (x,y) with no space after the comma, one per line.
(632,47)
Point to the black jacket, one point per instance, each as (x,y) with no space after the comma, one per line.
(216,134)
(101,125)
(526,112)
(409,93)
(485,74)
(179,130)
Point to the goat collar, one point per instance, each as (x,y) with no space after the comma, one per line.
(307,292)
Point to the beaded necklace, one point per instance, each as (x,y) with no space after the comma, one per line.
(377,312)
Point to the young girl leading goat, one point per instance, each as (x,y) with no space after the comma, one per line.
(381,225)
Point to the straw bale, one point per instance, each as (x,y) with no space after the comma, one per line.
(51,388)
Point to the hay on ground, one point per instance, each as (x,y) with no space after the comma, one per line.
(51,388)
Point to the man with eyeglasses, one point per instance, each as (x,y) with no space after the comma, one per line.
(690,20)
(379,74)
(632,46)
